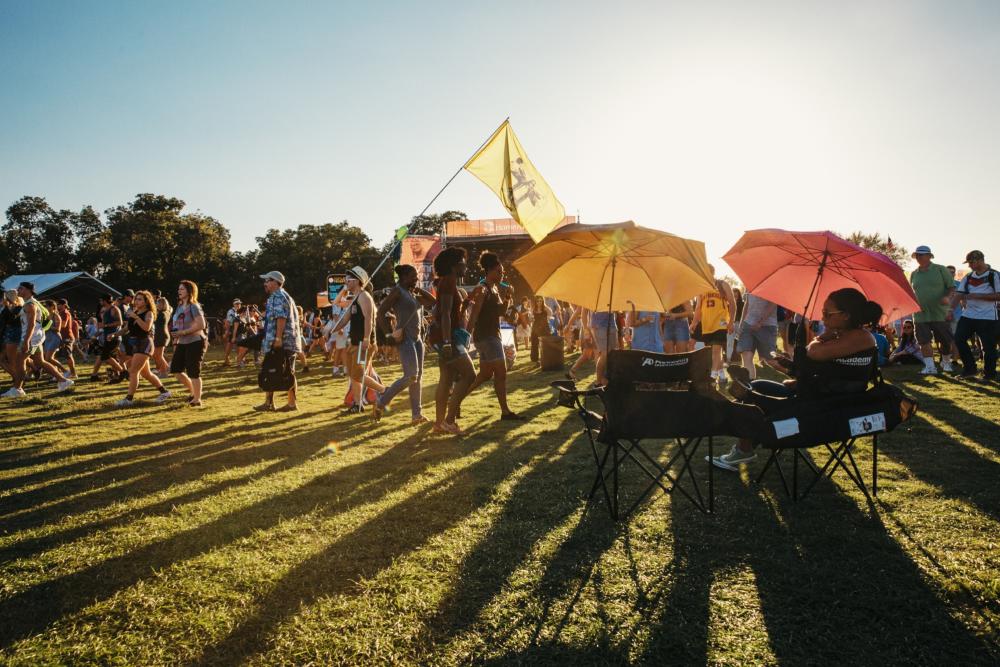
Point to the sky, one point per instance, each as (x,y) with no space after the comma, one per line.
(704,119)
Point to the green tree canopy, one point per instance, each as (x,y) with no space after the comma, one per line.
(875,242)
(434,223)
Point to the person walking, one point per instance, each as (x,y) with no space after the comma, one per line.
(35,320)
(540,315)
(490,301)
(758,332)
(407,302)
(10,327)
(231,329)
(111,324)
(187,328)
(281,335)
(934,287)
(161,336)
(451,339)
(69,332)
(978,290)
(360,315)
(140,327)
(713,317)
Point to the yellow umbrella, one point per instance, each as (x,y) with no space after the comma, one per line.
(613,267)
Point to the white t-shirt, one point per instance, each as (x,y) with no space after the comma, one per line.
(979,283)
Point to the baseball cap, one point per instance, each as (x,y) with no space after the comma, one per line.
(236,301)
(975,255)
(28,286)
(276,276)
(129,292)
(360,274)
(922,250)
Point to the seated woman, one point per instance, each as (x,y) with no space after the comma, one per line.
(908,350)
(840,361)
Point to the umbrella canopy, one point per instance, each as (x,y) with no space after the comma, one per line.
(622,264)
(799,270)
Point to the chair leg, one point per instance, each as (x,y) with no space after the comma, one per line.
(875,465)
(711,478)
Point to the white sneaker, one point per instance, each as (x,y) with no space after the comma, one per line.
(947,367)
(65,385)
(163,397)
(733,459)
(13,392)
(928,370)
(124,403)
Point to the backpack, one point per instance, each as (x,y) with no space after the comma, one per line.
(44,318)
(275,372)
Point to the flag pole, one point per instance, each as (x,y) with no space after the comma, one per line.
(392,248)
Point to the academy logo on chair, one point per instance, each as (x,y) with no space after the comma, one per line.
(663,363)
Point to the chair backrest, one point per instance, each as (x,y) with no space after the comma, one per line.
(650,395)
(638,366)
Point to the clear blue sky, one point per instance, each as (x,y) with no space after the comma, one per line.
(704,119)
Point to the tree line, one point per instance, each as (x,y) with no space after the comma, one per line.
(151,242)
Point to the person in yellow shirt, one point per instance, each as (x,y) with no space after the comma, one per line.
(713,317)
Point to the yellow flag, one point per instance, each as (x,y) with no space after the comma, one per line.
(505,168)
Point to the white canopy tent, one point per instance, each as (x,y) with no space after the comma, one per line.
(81,289)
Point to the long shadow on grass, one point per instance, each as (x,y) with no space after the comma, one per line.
(945,462)
(374,546)
(978,429)
(33,610)
(128,447)
(190,461)
(537,504)
(833,586)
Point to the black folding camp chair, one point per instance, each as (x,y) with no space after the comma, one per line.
(665,397)
(834,424)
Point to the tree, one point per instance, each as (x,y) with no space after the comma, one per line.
(38,239)
(875,242)
(150,244)
(307,254)
(434,223)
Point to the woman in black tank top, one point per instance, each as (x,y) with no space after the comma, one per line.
(140,325)
(840,361)
(490,301)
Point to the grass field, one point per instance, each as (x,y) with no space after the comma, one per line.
(166,535)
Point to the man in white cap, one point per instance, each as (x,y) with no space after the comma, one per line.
(281,332)
(230,328)
(361,315)
(934,286)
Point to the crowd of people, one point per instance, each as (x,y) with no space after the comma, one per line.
(129,336)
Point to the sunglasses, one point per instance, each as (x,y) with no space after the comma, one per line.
(828,313)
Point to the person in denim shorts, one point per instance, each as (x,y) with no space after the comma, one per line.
(676,330)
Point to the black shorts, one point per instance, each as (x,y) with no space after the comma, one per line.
(161,339)
(187,358)
(109,347)
(714,338)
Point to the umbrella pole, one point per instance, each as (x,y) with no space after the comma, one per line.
(801,334)
(611,298)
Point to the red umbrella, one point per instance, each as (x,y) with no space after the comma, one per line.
(798,270)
